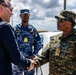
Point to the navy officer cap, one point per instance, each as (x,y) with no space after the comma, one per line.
(24,11)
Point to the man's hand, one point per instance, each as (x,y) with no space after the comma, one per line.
(31,65)
(32,57)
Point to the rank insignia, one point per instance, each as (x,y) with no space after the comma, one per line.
(25,39)
(57,52)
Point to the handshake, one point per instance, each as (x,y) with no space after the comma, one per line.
(34,62)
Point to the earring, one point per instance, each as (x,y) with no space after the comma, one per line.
(68,26)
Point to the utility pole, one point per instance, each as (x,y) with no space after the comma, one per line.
(64,4)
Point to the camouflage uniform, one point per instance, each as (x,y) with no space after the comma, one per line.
(61,52)
(61,55)
(29,43)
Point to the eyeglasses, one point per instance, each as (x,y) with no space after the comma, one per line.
(5,5)
(11,8)
(61,20)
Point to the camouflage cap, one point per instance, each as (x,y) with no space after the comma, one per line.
(68,15)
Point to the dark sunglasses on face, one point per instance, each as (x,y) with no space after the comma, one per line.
(5,5)
(60,20)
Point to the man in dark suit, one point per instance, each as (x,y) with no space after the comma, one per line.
(8,46)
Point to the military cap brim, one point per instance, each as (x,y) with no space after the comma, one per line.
(60,16)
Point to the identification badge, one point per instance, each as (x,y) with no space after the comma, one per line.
(57,52)
(25,39)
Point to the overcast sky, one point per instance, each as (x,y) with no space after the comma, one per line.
(42,12)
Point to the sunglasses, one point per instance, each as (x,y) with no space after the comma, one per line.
(5,5)
(60,20)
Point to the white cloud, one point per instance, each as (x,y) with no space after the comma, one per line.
(42,12)
(71,2)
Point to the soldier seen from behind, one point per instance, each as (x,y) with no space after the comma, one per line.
(9,51)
